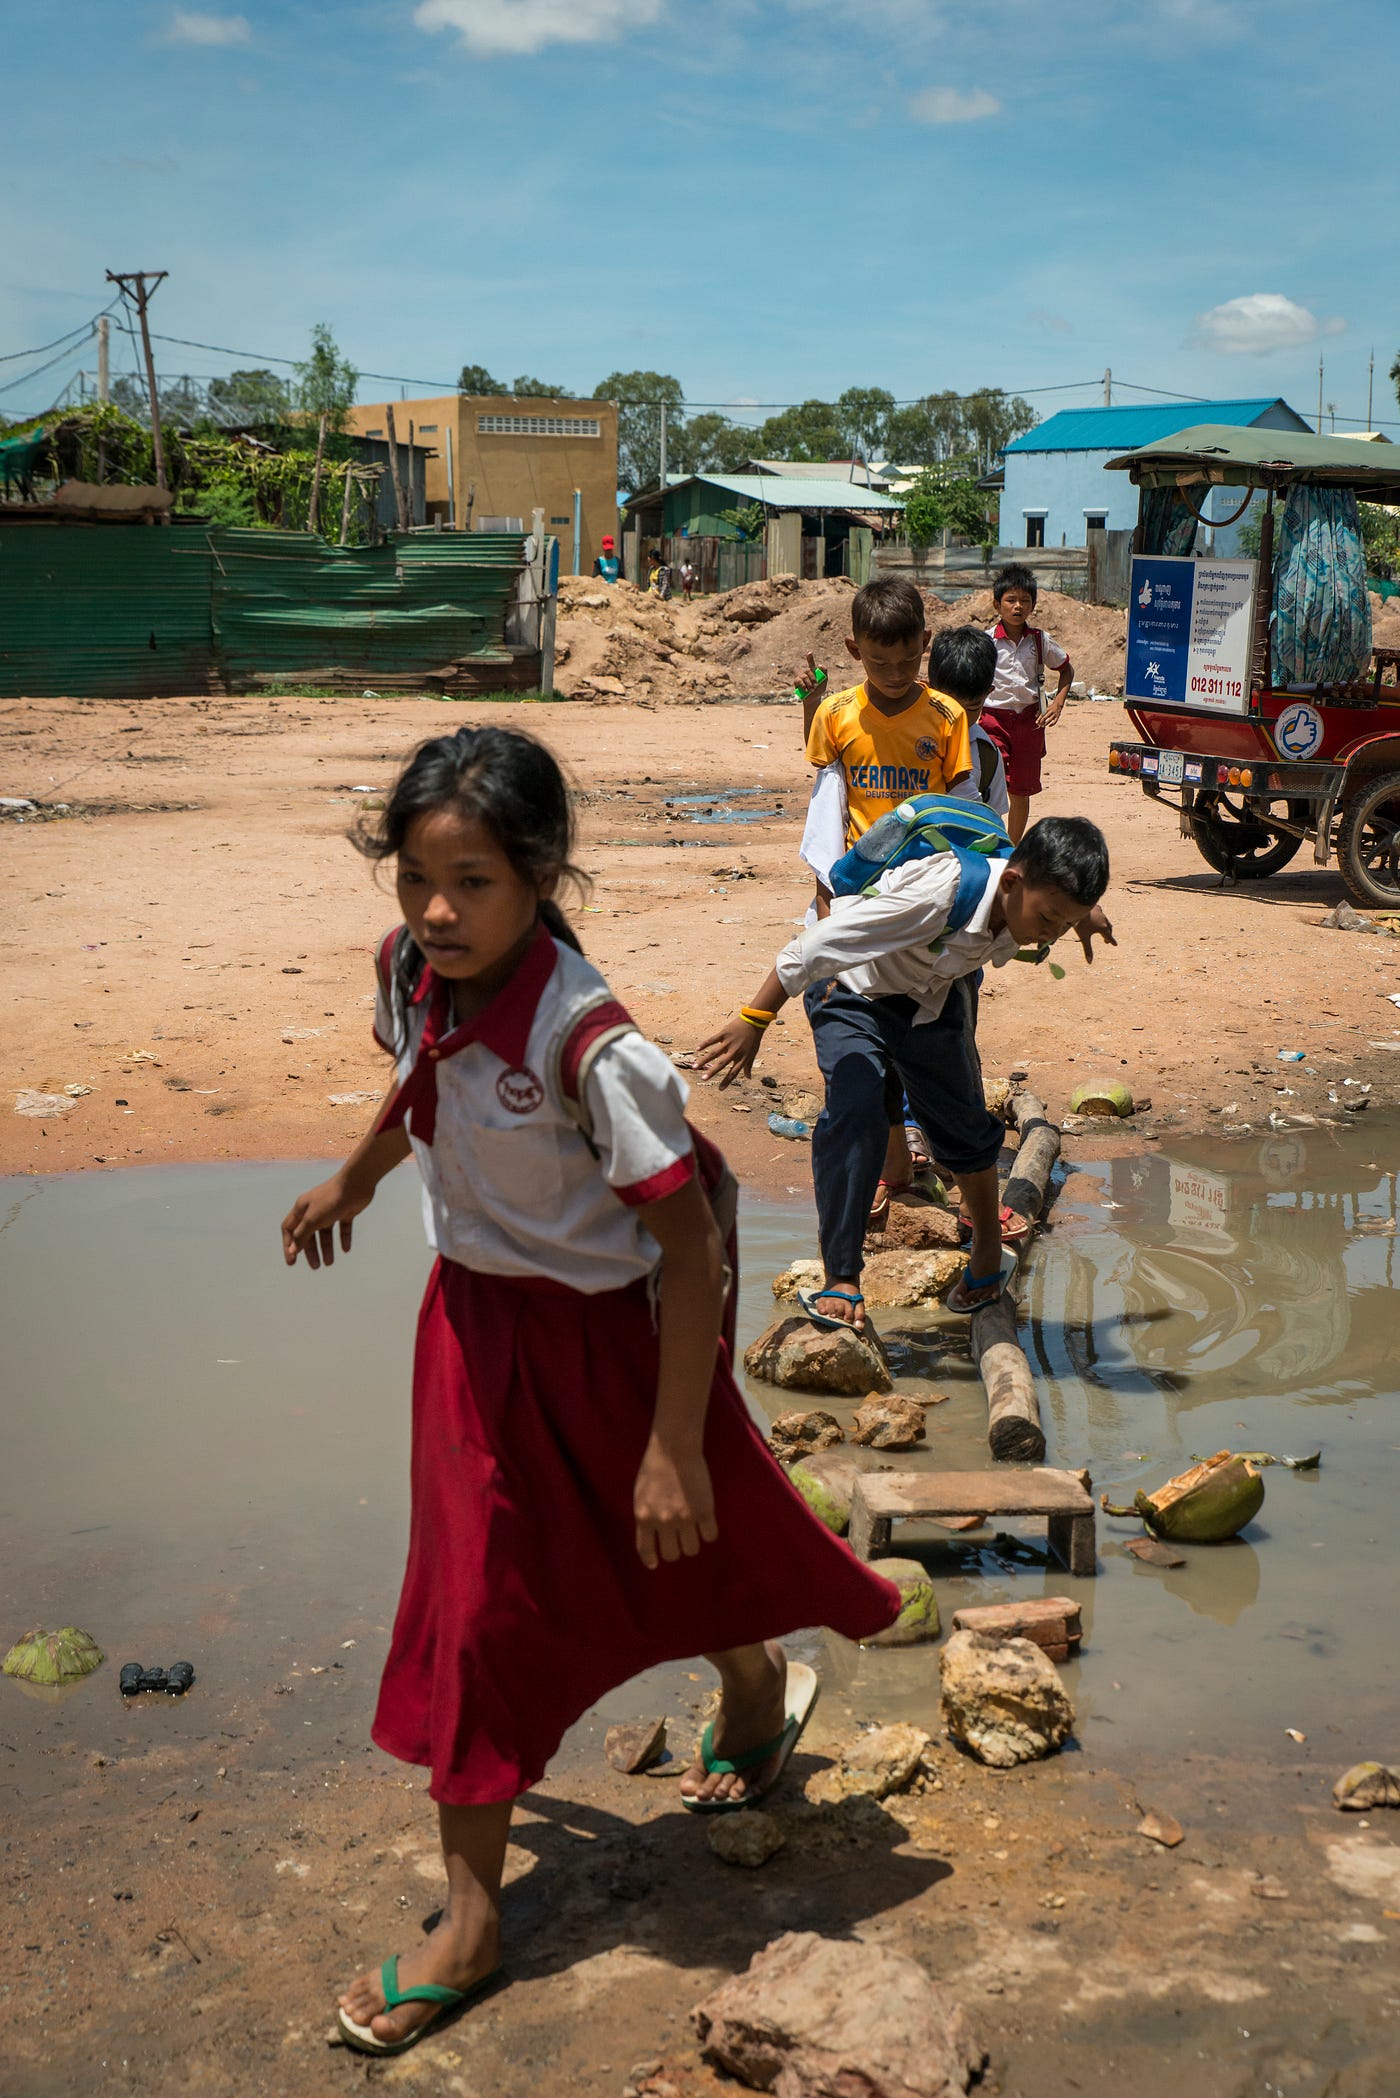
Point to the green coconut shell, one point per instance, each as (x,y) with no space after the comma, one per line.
(1109,1098)
(1205,1505)
(53,1657)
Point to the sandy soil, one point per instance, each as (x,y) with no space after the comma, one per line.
(192,943)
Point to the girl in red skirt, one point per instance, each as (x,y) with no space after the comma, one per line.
(589,1495)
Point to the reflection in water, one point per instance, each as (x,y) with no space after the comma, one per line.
(1220,1581)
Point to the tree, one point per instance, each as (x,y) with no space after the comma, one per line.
(993,418)
(526,388)
(710,443)
(326,383)
(864,413)
(928,432)
(639,396)
(748,520)
(474,378)
(254,396)
(944,501)
(811,431)
(1380,535)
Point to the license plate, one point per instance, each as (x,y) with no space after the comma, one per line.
(1171,768)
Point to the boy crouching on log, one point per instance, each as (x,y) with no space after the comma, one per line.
(884,983)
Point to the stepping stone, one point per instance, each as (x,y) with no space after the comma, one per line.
(1052,1621)
(881,1499)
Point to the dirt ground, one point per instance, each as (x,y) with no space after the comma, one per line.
(181,1902)
(191,944)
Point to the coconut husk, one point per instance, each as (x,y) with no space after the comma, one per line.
(53,1657)
(1211,1501)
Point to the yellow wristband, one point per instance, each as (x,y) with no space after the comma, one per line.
(756,1016)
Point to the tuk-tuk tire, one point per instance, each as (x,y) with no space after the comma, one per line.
(1285,847)
(1356,811)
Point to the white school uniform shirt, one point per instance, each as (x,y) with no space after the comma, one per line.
(1019,681)
(882,945)
(824,833)
(510,1186)
(970,788)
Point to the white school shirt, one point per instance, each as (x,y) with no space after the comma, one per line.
(510,1187)
(1018,678)
(880,945)
(824,833)
(970,788)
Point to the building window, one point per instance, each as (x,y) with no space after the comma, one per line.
(1096,520)
(539,426)
(1035,530)
(561,520)
(427,429)
(374,433)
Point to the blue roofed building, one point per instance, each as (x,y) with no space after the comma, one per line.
(1055,489)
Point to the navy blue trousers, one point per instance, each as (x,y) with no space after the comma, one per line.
(864,1047)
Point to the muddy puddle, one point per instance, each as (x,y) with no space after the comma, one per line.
(206,1456)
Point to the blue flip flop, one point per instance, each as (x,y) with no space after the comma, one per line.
(967,1281)
(808,1297)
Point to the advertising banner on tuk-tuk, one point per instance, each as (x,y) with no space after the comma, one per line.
(1190,632)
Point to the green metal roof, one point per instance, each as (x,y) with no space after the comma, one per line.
(1262,458)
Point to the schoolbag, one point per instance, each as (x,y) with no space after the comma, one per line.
(927,824)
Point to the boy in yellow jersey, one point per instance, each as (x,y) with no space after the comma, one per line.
(892,736)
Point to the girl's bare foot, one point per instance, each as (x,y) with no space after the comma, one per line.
(752,1711)
(453,1958)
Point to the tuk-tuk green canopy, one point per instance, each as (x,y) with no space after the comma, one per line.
(1259,458)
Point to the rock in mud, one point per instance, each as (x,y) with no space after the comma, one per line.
(633,1749)
(916,1227)
(892,1423)
(1003,1700)
(896,1280)
(873,1765)
(798,1356)
(1161,1828)
(750,1838)
(1153,1552)
(1367,1785)
(802,1434)
(918,1615)
(826,1482)
(816,2018)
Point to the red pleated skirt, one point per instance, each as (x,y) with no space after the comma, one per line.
(524,1600)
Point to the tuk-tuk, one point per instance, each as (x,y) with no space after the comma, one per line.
(1265,713)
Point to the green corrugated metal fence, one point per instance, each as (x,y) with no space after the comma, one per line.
(132,611)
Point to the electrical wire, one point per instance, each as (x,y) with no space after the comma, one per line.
(74,349)
(86,328)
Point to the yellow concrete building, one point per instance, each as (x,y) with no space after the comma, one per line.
(499,457)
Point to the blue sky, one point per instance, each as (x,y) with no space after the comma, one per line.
(769,198)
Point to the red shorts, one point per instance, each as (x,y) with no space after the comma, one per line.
(1021,740)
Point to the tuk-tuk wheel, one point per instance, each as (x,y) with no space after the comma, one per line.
(1239,840)
(1368,843)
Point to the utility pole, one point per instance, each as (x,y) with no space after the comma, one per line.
(1370,384)
(662,476)
(104,329)
(1319,396)
(1108,387)
(137,288)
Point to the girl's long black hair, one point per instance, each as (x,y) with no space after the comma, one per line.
(511,784)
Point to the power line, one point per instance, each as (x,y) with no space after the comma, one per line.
(13,356)
(74,349)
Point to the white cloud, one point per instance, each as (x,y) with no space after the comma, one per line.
(188,27)
(948,105)
(510,28)
(1259,322)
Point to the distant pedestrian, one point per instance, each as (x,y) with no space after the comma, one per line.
(589,1495)
(1017,712)
(689,578)
(606,565)
(659,582)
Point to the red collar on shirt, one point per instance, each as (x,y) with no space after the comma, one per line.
(999,633)
(503,1026)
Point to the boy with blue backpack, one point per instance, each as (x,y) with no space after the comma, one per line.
(928,895)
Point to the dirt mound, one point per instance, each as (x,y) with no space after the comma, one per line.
(1385,621)
(616,642)
(1095,637)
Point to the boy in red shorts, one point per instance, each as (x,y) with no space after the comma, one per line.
(1016,714)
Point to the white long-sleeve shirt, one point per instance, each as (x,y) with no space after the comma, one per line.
(892,942)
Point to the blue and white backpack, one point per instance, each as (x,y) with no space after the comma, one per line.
(927,824)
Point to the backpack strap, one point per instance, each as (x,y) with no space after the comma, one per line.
(974,872)
(598,1024)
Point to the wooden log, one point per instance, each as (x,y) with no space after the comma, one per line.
(313,508)
(345,505)
(1014,1431)
(392,437)
(1036,1156)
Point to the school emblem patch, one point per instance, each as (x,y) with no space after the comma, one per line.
(519,1091)
(926,748)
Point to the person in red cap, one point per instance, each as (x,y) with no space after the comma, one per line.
(607,566)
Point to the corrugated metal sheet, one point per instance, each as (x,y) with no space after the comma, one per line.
(129,612)
(813,493)
(103,609)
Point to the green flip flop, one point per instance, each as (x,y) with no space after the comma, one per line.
(799,1698)
(361,2036)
